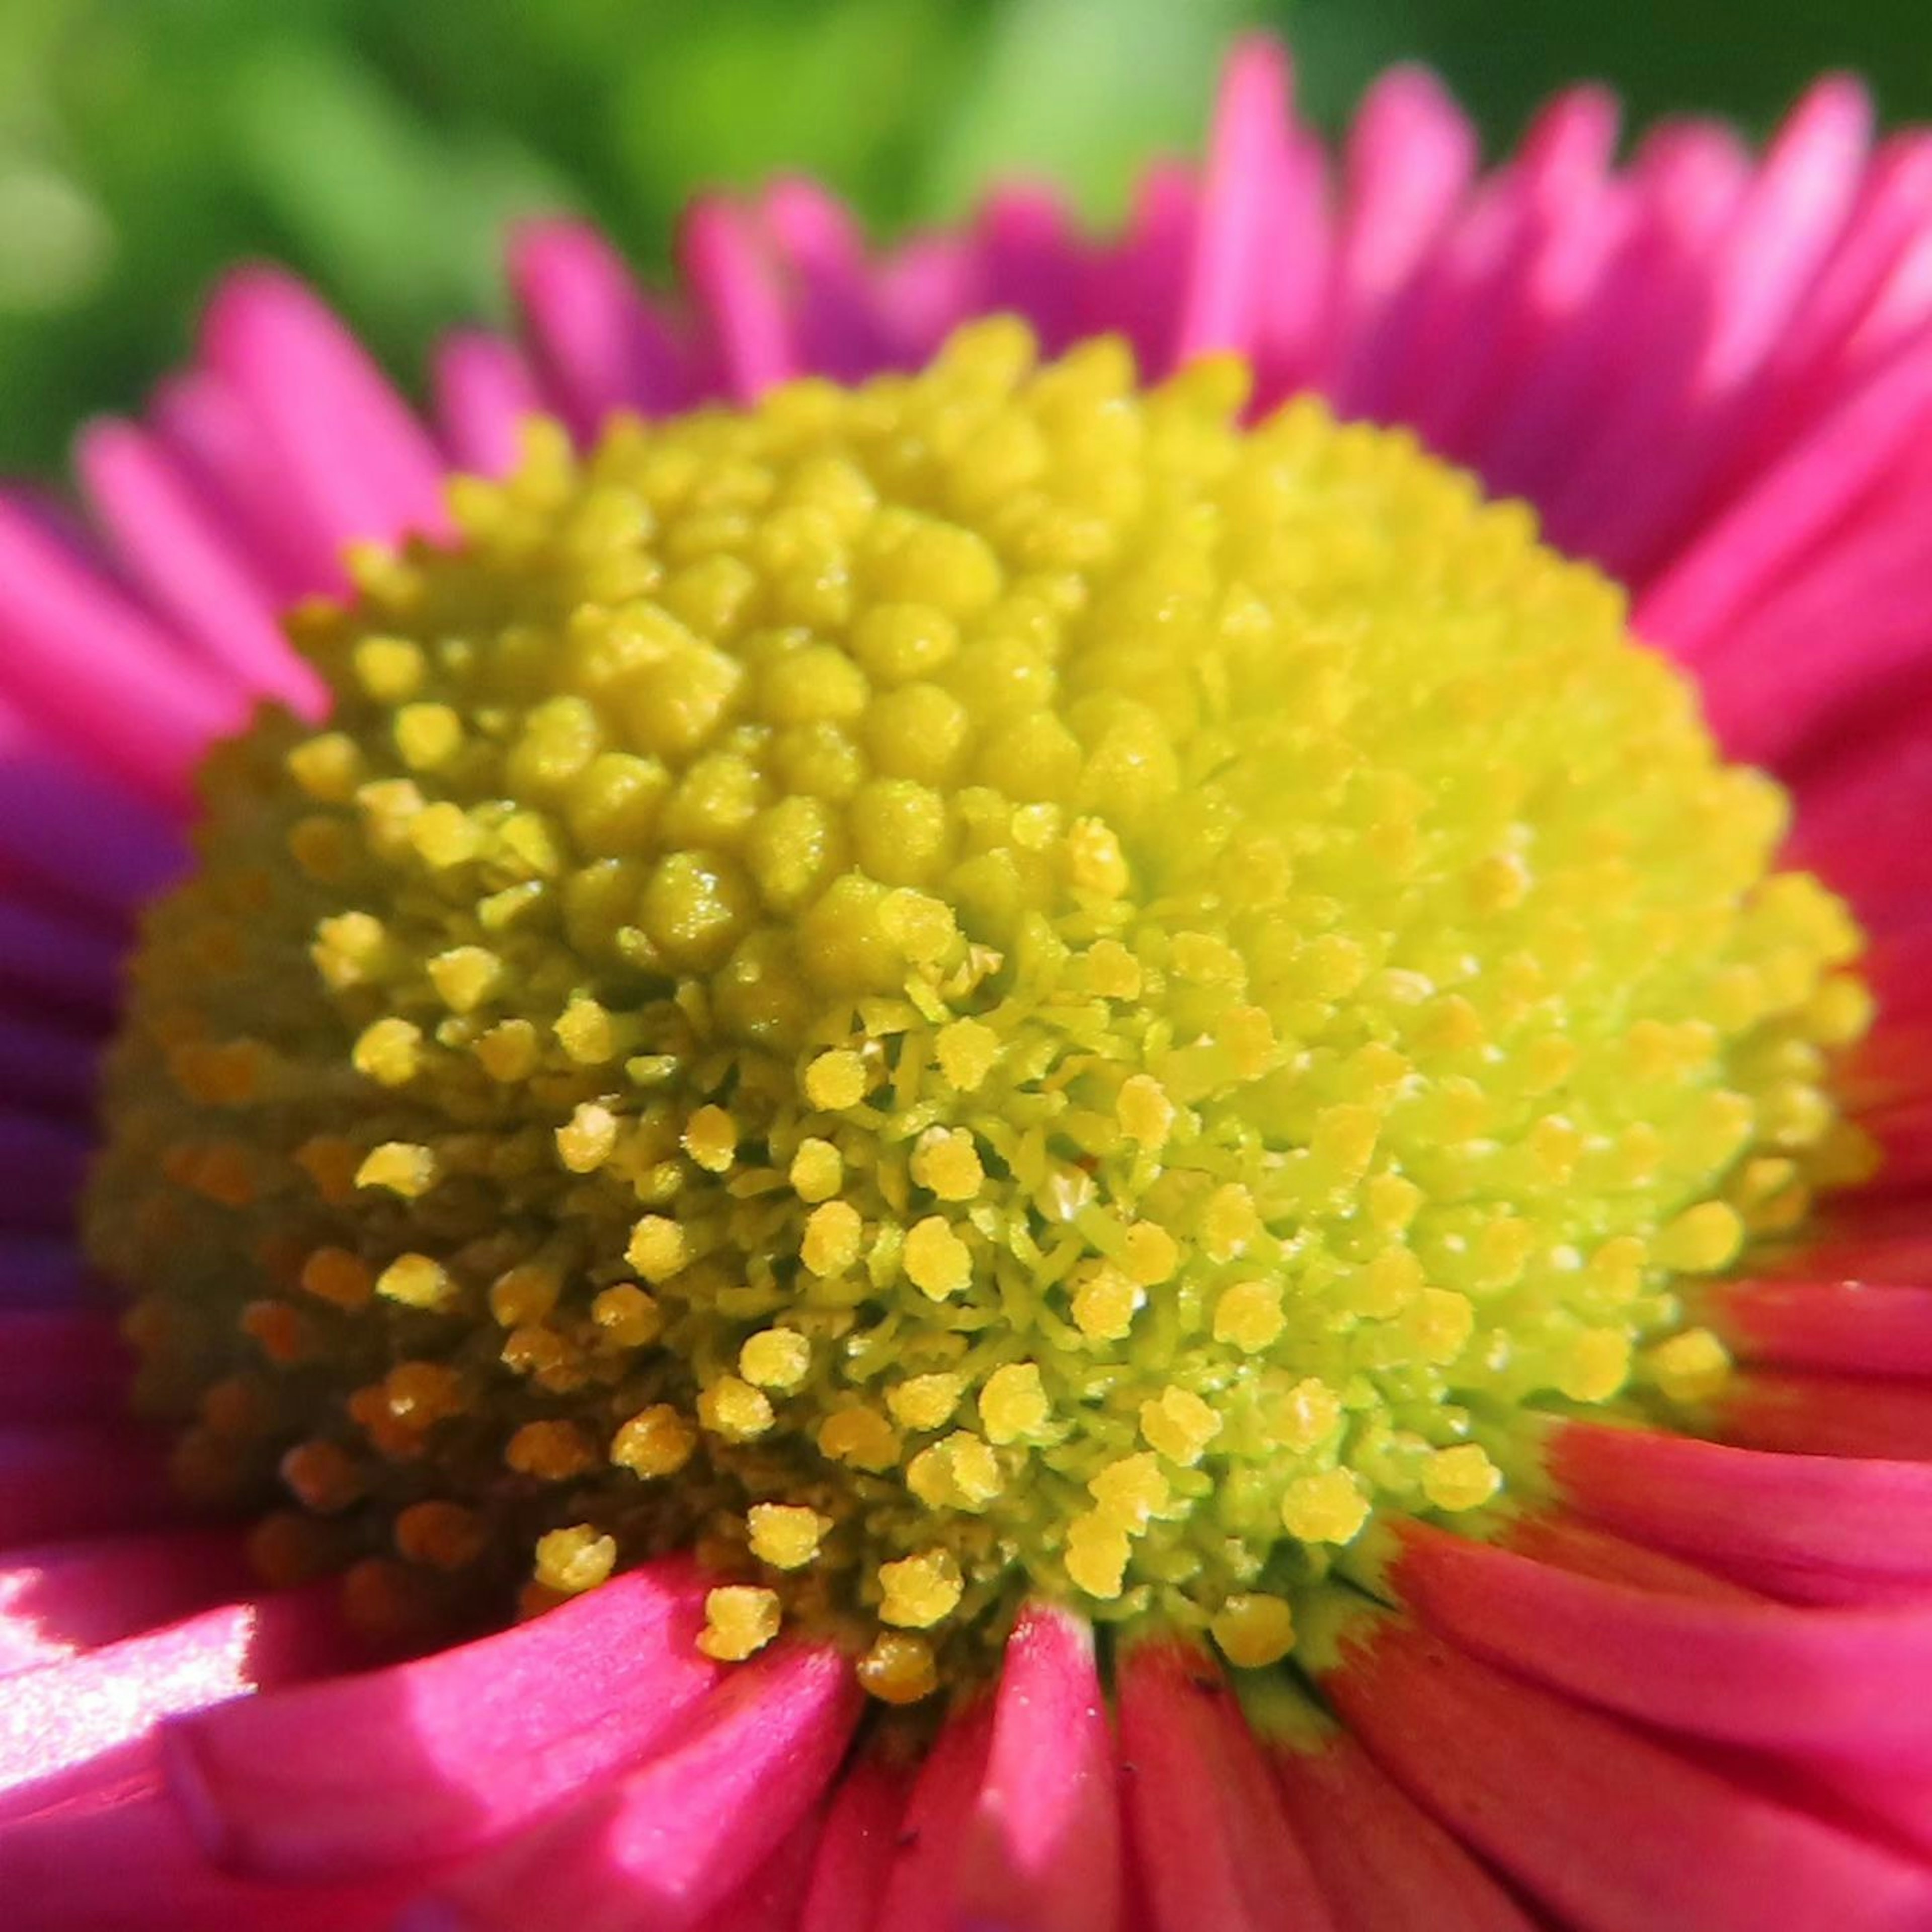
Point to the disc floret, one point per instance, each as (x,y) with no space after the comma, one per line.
(991,982)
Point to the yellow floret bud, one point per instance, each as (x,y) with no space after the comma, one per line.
(1460,1478)
(739,1621)
(1329,1507)
(918,1591)
(785,1535)
(937,1262)
(1254,1630)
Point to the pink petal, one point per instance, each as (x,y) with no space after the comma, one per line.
(133,1867)
(775,1898)
(1206,1821)
(452,1751)
(1384,1864)
(1042,1850)
(837,327)
(61,1721)
(38,1271)
(1411,157)
(190,564)
(738,294)
(48,1067)
(76,1481)
(670,1842)
(45,1162)
(855,1852)
(920,1892)
(1815,1527)
(1222,298)
(73,966)
(1827,1415)
(1850,1684)
(483,392)
(65,1598)
(80,662)
(67,1366)
(1852,1326)
(597,345)
(355,464)
(1611,1832)
(79,842)
(209,432)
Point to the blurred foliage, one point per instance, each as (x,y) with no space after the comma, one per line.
(380,146)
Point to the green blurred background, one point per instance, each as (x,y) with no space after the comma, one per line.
(380,145)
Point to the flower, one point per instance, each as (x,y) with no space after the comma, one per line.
(1115,1071)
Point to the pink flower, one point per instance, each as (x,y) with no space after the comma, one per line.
(1684,1683)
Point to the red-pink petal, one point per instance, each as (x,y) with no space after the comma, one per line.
(1855,1326)
(857,1849)
(1206,1821)
(451,1751)
(62,1719)
(67,1597)
(1854,1684)
(1819,1528)
(1042,1851)
(599,345)
(352,456)
(1610,1831)
(189,562)
(775,1898)
(80,662)
(1827,1415)
(668,1843)
(77,1481)
(1383,1864)
(483,392)
(920,1891)
(66,1366)
(133,1866)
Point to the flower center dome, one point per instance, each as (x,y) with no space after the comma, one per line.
(988,982)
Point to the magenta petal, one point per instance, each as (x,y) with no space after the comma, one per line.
(133,1866)
(1384,1864)
(82,662)
(452,1751)
(61,1719)
(1222,299)
(856,1849)
(919,1892)
(670,1842)
(1854,1684)
(66,1481)
(1827,1415)
(1612,1831)
(599,345)
(737,286)
(73,835)
(1042,1851)
(774,1899)
(1821,1527)
(1206,1822)
(176,545)
(358,465)
(1855,1326)
(62,1366)
(483,392)
(67,1597)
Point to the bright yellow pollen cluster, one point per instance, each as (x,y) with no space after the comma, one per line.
(991,982)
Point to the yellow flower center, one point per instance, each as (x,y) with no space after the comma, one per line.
(988,983)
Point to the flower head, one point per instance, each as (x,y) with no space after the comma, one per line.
(1011,1022)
